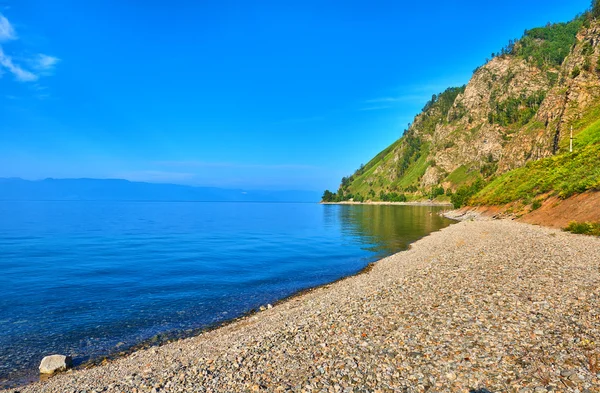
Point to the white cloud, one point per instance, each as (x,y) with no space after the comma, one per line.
(7,32)
(203,164)
(384,99)
(45,62)
(40,65)
(157,176)
(403,98)
(375,108)
(392,101)
(19,73)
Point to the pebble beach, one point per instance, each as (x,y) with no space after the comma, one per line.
(480,306)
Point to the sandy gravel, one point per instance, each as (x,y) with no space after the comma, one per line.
(488,306)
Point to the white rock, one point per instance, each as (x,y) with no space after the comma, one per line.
(55,363)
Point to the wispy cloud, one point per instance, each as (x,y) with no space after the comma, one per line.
(301,120)
(204,164)
(7,31)
(19,73)
(391,101)
(38,65)
(383,99)
(402,98)
(157,176)
(45,62)
(375,108)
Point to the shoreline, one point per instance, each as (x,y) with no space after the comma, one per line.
(413,203)
(305,320)
(166,338)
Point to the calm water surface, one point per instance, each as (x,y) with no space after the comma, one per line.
(93,278)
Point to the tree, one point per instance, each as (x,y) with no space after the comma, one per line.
(328,196)
(461,197)
(596,8)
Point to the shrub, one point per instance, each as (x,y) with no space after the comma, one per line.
(537,203)
(461,197)
(587,64)
(584,228)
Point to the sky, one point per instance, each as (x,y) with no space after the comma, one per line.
(234,94)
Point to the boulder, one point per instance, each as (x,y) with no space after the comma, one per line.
(55,363)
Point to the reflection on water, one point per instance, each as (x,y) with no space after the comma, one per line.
(88,279)
(387,229)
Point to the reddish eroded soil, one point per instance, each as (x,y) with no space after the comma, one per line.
(558,213)
(554,212)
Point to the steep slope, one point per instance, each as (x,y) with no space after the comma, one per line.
(517,108)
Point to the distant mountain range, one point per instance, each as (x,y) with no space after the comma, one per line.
(17,189)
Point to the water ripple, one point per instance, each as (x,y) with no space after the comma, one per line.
(80,277)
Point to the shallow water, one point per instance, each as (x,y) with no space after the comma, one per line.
(93,278)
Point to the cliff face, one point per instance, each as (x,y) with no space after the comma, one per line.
(518,107)
(478,138)
(576,93)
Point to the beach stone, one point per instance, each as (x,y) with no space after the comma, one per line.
(55,363)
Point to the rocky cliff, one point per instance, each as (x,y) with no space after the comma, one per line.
(518,107)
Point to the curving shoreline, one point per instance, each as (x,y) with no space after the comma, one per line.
(480,304)
(414,203)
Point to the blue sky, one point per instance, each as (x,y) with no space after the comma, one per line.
(266,94)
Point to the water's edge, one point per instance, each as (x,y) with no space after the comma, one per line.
(169,337)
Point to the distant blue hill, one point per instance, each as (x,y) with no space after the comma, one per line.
(16,189)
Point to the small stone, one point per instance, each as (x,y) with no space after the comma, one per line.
(269,306)
(566,373)
(55,363)
(451,376)
(575,377)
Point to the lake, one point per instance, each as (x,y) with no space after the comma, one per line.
(91,279)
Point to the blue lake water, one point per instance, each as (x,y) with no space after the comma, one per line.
(90,279)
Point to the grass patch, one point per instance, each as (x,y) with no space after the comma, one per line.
(463,175)
(586,130)
(563,175)
(584,228)
(382,156)
(416,170)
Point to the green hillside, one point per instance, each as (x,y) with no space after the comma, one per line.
(502,137)
(562,175)
(406,159)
